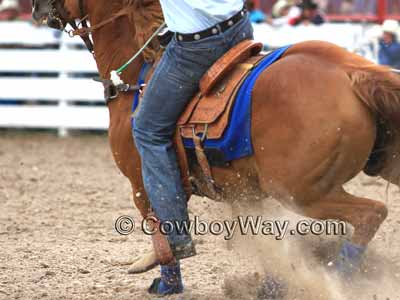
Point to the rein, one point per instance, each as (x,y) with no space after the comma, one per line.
(61,15)
(85,30)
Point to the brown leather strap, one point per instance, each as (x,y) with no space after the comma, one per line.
(183,164)
(88,30)
(205,167)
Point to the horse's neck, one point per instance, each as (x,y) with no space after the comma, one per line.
(114,44)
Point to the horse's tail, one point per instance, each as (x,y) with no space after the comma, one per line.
(379,89)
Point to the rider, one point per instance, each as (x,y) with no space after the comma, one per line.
(204,31)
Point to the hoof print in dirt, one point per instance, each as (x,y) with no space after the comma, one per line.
(272,289)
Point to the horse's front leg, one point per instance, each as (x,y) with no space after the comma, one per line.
(127,160)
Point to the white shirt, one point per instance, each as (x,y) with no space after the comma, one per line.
(190,16)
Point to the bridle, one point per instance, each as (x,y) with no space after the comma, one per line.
(86,39)
(61,15)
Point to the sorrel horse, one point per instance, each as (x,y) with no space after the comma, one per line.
(320,115)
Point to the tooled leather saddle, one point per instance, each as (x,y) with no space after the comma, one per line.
(208,113)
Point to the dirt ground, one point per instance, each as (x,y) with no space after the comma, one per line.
(59,199)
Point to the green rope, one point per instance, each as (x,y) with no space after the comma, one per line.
(131,60)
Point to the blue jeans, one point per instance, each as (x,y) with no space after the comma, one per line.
(174,82)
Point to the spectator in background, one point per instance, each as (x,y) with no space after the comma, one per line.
(9,10)
(309,14)
(256,15)
(389,47)
(280,12)
(15,9)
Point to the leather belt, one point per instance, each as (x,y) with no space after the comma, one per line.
(217,29)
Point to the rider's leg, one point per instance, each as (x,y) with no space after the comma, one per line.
(174,83)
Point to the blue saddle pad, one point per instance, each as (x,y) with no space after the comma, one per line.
(236,140)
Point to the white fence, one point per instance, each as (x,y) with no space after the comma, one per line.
(42,73)
(43,82)
(354,37)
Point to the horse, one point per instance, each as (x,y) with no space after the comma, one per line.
(320,115)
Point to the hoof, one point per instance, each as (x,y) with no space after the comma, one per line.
(344,269)
(348,261)
(143,264)
(272,289)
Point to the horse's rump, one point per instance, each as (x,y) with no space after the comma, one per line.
(379,89)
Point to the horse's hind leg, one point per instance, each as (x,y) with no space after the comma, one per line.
(364,214)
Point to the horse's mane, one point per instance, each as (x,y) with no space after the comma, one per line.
(146,16)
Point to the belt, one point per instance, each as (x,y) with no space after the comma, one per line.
(216,29)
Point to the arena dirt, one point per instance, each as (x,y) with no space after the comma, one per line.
(59,199)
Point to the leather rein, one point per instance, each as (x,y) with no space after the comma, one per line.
(82,29)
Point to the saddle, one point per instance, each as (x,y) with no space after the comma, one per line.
(208,114)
